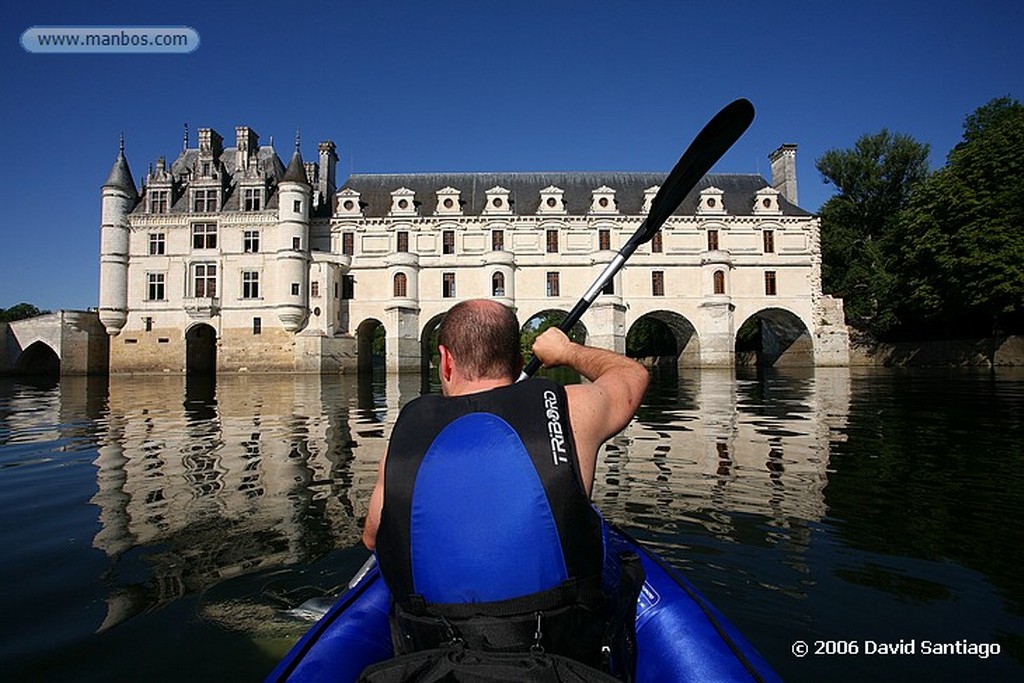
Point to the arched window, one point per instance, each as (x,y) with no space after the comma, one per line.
(498,284)
(719,281)
(401,285)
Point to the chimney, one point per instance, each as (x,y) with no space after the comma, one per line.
(246,146)
(328,165)
(211,144)
(784,171)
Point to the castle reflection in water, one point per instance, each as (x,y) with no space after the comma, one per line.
(199,482)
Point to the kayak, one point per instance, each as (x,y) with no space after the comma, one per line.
(680,635)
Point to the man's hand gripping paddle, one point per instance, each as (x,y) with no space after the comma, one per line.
(707,148)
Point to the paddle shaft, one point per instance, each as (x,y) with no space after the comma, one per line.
(708,147)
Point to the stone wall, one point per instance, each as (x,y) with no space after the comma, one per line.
(990,352)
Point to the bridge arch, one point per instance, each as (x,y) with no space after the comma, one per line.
(548,317)
(369,333)
(774,337)
(664,337)
(39,358)
(200,350)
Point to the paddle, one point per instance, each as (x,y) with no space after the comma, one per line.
(708,147)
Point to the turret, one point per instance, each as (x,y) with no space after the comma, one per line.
(119,198)
(294,198)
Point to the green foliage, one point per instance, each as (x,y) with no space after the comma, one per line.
(19,312)
(859,226)
(915,254)
(964,247)
(539,323)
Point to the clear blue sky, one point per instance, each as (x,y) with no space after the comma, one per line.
(521,85)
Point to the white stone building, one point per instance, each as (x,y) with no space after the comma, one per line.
(227,259)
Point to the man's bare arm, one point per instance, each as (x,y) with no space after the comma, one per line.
(376,506)
(603,407)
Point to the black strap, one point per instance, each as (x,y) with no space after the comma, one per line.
(586,590)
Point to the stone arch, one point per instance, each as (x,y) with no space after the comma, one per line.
(366,332)
(39,359)
(200,350)
(428,342)
(680,346)
(774,337)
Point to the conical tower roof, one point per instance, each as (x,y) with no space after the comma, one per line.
(120,175)
(296,171)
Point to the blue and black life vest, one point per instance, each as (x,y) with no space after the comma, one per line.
(487,535)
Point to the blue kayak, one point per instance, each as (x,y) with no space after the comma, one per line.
(680,635)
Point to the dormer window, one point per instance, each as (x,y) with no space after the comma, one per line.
(403,202)
(649,195)
(448,203)
(252,199)
(766,201)
(498,201)
(711,202)
(603,200)
(204,201)
(159,201)
(551,200)
(348,203)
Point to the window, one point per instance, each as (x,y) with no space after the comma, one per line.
(719,282)
(204,280)
(401,285)
(448,285)
(252,199)
(497,240)
(769,241)
(297,206)
(403,242)
(658,283)
(160,201)
(251,241)
(148,322)
(296,243)
(155,287)
(609,288)
(552,241)
(769,283)
(552,284)
(250,284)
(348,243)
(257,325)
(157,243)
(348,286)
(448,242)
(314,289)
(712,240)
(604,240)
(204,201)
(295,289)
(204,235)
(656,246)
(498,284)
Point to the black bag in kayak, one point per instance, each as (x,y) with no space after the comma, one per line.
(457,664)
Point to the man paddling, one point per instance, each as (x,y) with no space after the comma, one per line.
(481,517)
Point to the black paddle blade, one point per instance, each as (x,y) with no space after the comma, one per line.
(711,143)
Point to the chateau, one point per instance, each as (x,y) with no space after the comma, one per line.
(227,259)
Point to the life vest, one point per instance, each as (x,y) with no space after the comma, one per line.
(486,535)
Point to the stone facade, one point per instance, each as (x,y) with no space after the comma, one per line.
(229,259)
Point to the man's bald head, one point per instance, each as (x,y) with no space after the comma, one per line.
(483,338)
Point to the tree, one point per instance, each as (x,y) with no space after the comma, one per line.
(964,247)
(19,312)
(859,234)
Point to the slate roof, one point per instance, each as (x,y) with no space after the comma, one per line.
(296,171)
(121,176)
(375,191)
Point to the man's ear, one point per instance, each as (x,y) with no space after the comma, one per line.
(446,364)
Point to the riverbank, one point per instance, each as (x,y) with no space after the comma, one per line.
(988,352)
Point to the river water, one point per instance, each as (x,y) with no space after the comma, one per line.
(158,529)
